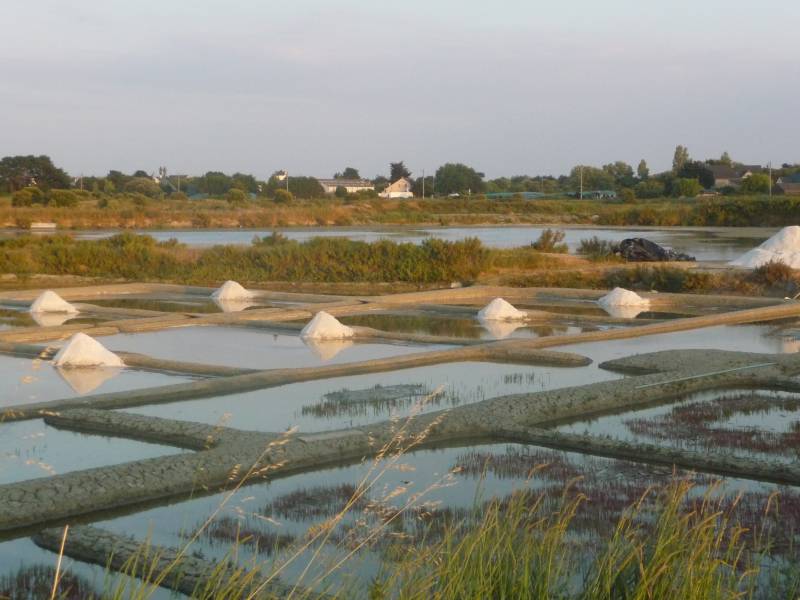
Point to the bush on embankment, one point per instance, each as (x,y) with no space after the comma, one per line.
(139,257)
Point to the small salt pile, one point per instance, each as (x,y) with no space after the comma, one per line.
(783,247)
(623,304)
(622,297)
(84,351)
(500,310)
(326,327)
(50,302)
(231,290)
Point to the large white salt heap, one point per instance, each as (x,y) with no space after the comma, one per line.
(500,310)
(326,327)
(623,304)
(50,302)
(783,247)
(231,290)
(84,351)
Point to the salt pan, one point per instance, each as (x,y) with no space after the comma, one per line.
(326,327)
(783,247)
(50,302)
(84,351)
(500,310)
(231,290)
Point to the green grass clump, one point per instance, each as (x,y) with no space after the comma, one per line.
(273,258)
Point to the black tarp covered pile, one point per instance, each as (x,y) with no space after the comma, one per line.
(642,250)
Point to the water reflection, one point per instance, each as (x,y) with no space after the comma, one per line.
(87,379)
(501,329)
(325,350)
(51,319)
(625,312)
(230,305)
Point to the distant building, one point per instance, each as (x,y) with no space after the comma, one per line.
(351,185)
(725,176)
(790,184)
(399,189)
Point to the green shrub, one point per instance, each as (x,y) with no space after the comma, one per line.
(341,192)
(235,196)
(597,249)
(551,241)
(27,196)
(283,196)
(62,198)
(143,185)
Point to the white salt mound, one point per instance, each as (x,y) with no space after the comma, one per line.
(50,302)
(783,247)
(84,351)
(326,327)
(500,310)
(231,290)
(622,297)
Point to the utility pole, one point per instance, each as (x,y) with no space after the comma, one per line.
(423,184)
(770,179)
(581,182)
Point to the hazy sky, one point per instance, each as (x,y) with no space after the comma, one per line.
(508,87)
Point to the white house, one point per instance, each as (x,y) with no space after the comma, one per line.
(351,185)
(399,189)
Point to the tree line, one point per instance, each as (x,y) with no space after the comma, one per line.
(33,179)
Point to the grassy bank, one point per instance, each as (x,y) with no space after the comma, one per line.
(137,211)
(273,258)
(337,265)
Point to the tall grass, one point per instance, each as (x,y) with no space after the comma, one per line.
(131,256)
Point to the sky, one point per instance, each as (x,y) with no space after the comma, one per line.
(508,87)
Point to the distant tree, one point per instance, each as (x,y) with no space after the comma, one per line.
(117,179)
(305,187)
(680,158)
(380,183)
(686,188)
(246,183)
(416,186)
(642,171)
(627,195)
(143,185)
(622,173)
(756,183)
(398,171)
(141,173)
(282,196)
(17,172)
(725,159)
(458,178)
(348,173)
(214,183)
(108,186)
(235,196)
(593,178)
(650,188)
(341,191)
(695,169)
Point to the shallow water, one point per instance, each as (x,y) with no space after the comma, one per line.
(740,338)
(304,404)
(726,432)
(449,479)
(710,243)
(25,380)
(463,327)
(188,304)
(251,348)
(31,449)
